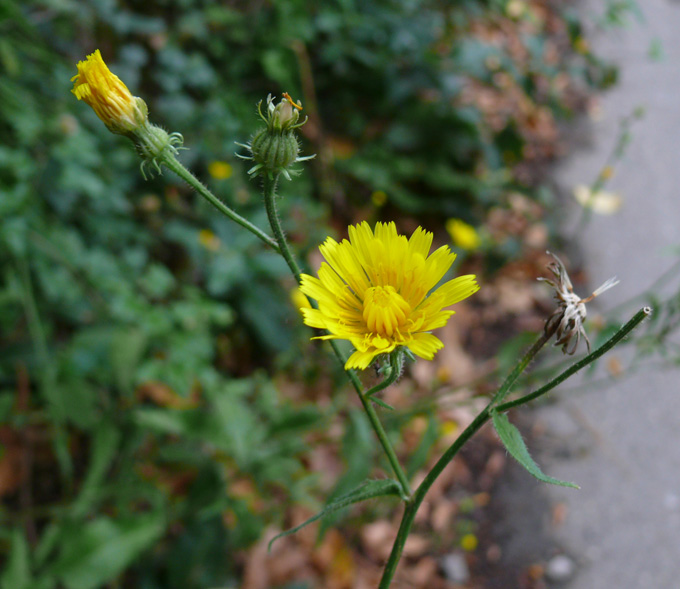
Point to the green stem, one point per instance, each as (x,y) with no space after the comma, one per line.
(269,193)
(413,505)
(395,367)
(175,166)
(640,316)
(420,493)
(504,389)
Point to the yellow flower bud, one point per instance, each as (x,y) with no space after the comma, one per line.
(124,113)
(220,170)
(110,98)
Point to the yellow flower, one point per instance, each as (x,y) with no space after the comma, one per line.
(469,542)
(379,198)
(208,240)
(220,170)
(109,97)
(463,235)
(373,291)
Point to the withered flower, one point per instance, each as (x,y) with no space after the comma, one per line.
(567,320)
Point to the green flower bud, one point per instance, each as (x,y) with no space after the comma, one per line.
(275,147)
(154,145)
(275,151)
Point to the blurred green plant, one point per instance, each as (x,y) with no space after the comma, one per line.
(139,330)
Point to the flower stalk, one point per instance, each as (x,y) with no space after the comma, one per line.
(128,115)
(269,193)
(173,164)
(379,290)
(419,495)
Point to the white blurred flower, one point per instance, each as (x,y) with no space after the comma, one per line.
(600,201)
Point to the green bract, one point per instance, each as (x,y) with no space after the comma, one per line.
(275,148)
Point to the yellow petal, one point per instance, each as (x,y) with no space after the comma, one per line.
(425,345)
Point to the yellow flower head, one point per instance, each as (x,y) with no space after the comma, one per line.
(373,291)
(220,170)
(108,96)
(463,235)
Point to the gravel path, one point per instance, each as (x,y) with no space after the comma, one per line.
(622,444)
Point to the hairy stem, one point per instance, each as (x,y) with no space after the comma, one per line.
(175,166)
(640,316)
(420,493)
(269,193)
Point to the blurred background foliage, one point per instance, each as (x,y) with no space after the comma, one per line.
(157,412)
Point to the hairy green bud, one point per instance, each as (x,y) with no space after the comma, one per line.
(275,147)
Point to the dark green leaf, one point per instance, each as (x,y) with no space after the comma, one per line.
(104,444)
(17,573)
(514,443)
(369,490)
(95,553)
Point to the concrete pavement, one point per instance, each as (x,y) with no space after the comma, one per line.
(622,444)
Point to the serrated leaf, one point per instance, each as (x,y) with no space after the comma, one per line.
(358,443)
(513,442)
(368,490)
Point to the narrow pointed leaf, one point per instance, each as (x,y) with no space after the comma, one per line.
(513,442)
(368,490)
(381,403)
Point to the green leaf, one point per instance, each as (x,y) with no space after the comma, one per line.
(381,403)
(94,554)
(368,490)
(128,346)
(104,445)
(513,442)
(6,405)
(358,445)
(17,573)
(74,400)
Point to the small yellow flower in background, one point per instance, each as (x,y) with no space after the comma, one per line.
(110,98)
(448,428)
(602,202)
(607,172)
(373,291)
(581,45)
(208,240)
(469,542)
(463,235)
(379,198)
(299,300)
(220,170)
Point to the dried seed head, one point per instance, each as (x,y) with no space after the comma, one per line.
(567,320)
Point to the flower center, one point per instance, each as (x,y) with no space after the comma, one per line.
(385,310)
